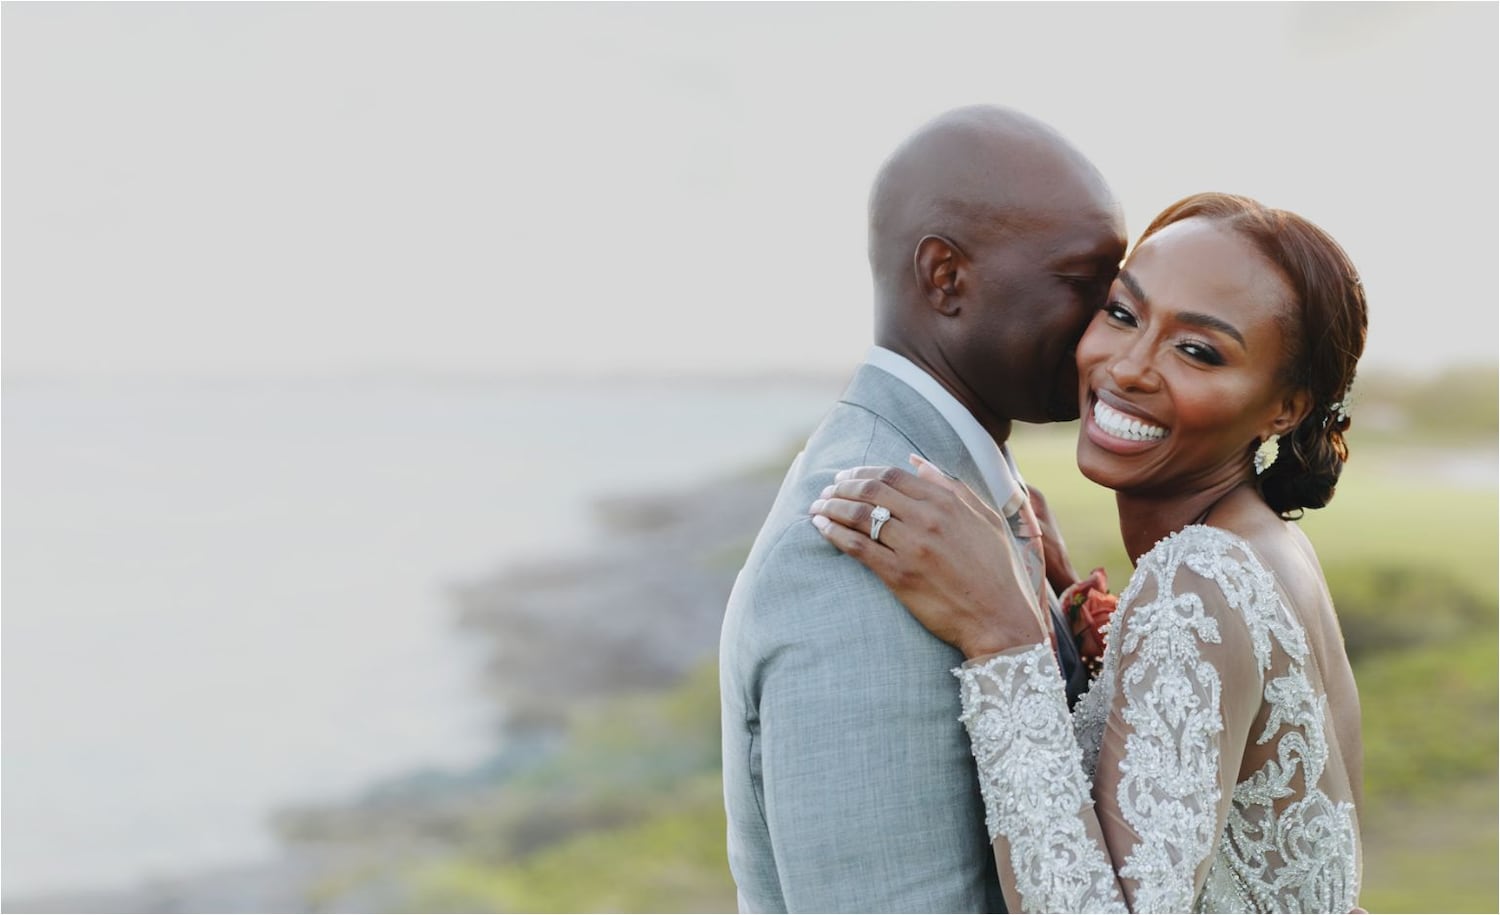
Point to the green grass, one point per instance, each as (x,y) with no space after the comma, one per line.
(671,863)
(1436,855)
(1430,735)
(1429,718)
(1385,513)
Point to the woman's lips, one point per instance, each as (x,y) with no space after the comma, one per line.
(1115,430)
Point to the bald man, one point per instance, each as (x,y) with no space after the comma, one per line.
(848,779)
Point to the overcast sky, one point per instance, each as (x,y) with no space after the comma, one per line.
(231,188)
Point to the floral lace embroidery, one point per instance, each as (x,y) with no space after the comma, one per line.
(1033,785)
(1169,787)
(1300,857)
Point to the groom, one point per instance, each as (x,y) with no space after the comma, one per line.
(848,779)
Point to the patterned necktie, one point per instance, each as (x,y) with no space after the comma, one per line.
(1027,531)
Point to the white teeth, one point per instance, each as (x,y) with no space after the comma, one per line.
(1121,426)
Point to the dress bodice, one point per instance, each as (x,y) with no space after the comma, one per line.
(1207,742)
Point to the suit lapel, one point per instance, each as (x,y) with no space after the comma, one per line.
(894,401)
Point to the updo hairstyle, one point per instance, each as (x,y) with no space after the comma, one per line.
(1324,334)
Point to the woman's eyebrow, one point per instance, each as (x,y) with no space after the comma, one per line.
(1195,318)
(1212,323)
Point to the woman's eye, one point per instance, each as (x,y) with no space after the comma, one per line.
(1117,312)
(1201,352)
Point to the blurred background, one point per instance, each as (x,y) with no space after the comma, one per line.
(392,392)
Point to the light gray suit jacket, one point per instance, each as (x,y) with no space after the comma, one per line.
(848,779)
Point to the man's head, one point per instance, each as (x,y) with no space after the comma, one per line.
(992,243)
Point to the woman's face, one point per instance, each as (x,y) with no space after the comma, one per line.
(1180,372)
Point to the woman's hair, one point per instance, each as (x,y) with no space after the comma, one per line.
(1324,334)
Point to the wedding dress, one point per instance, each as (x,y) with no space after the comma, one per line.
(1217,784)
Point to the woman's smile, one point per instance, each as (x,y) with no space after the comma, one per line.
(1123,425)
(1116,426)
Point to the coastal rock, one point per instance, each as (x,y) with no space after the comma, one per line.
(641,607)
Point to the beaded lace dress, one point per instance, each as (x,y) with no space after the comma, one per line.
(1200,772)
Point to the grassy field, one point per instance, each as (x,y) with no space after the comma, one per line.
(1411,560)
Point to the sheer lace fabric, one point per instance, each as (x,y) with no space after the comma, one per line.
(1217,784)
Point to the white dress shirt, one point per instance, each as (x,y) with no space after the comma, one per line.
(994,461)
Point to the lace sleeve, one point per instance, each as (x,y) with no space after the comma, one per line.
(1036,798)
(1147,835)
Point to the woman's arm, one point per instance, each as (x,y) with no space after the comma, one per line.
(1049,848)
(1186,693)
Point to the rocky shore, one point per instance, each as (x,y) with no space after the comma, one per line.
(638,610)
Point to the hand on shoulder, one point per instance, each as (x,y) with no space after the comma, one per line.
(946,555)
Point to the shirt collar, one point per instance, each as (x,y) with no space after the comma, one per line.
(994,461)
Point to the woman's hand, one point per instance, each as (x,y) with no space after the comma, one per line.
(947,555)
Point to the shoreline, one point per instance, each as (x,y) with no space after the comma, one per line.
(556,644)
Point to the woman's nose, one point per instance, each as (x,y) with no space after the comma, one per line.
(1133,370)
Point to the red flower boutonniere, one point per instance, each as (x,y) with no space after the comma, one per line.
(1089,605)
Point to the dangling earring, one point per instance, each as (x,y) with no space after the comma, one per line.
(1267,453)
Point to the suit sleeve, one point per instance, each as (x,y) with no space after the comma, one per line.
(870,794)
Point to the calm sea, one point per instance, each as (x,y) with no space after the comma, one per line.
(222,597)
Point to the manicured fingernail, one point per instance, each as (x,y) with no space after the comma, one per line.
(817,507)
(827,492)
(820,522)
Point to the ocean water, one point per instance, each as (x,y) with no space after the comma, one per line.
(221,597)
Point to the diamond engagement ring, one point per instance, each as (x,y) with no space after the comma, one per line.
(878,518)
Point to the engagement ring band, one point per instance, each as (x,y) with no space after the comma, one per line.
(878,518)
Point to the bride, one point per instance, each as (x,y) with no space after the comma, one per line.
(1215,763)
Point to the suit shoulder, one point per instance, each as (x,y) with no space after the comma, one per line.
(799,564)
(883,441)
(799,587)
(793,577)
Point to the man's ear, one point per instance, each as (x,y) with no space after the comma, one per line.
(939,265)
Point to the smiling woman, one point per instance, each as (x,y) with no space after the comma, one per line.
(1209,342)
